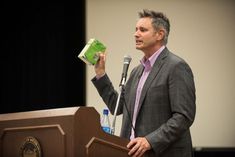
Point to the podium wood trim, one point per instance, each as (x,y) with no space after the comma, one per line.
(12,139)
(95,147)
(34,127)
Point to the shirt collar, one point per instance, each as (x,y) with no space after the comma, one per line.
(151,60)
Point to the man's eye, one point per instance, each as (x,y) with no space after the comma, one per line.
(143,30)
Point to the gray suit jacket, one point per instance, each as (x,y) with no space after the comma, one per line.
(167,105)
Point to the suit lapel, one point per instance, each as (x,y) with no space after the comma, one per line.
(152,75)
(134,89)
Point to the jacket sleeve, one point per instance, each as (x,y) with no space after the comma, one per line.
(107,92)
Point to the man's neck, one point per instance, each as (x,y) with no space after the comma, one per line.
(149,52)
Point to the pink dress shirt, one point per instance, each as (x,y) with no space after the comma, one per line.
(148,64)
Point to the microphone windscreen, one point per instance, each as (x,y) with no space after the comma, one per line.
(127,59)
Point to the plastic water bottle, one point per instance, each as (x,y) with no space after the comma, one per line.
(105,124)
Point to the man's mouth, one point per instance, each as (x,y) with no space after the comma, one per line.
(138,42)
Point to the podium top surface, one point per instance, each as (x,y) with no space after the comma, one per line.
(39,113)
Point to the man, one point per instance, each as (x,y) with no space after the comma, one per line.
(159,94)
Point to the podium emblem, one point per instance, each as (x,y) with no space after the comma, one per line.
(30,148)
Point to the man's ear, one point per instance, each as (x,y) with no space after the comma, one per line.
(160,34)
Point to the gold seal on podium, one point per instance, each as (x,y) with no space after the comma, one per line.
(30,148)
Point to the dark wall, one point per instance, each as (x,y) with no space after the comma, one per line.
(214,152)
(39,66)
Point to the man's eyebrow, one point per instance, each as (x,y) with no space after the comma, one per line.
(141,27)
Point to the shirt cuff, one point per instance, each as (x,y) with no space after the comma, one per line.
(98,77)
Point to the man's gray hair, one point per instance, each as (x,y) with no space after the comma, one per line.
(159,20)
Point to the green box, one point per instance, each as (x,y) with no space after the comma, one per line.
(90,53)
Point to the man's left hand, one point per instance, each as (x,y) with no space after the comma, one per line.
(138,146)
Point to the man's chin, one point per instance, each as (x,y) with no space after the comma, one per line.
(138,48)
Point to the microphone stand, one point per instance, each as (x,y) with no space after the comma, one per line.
(127,60)
(116,107)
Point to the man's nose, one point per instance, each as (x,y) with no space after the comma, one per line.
(136,34)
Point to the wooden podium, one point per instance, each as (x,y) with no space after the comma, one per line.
(63,132)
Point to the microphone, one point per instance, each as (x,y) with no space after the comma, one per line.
(127,60)
(126,63)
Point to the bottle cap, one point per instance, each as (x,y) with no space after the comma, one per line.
(106,111)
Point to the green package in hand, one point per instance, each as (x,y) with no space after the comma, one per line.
(90,53)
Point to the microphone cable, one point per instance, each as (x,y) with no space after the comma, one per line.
(128,113)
